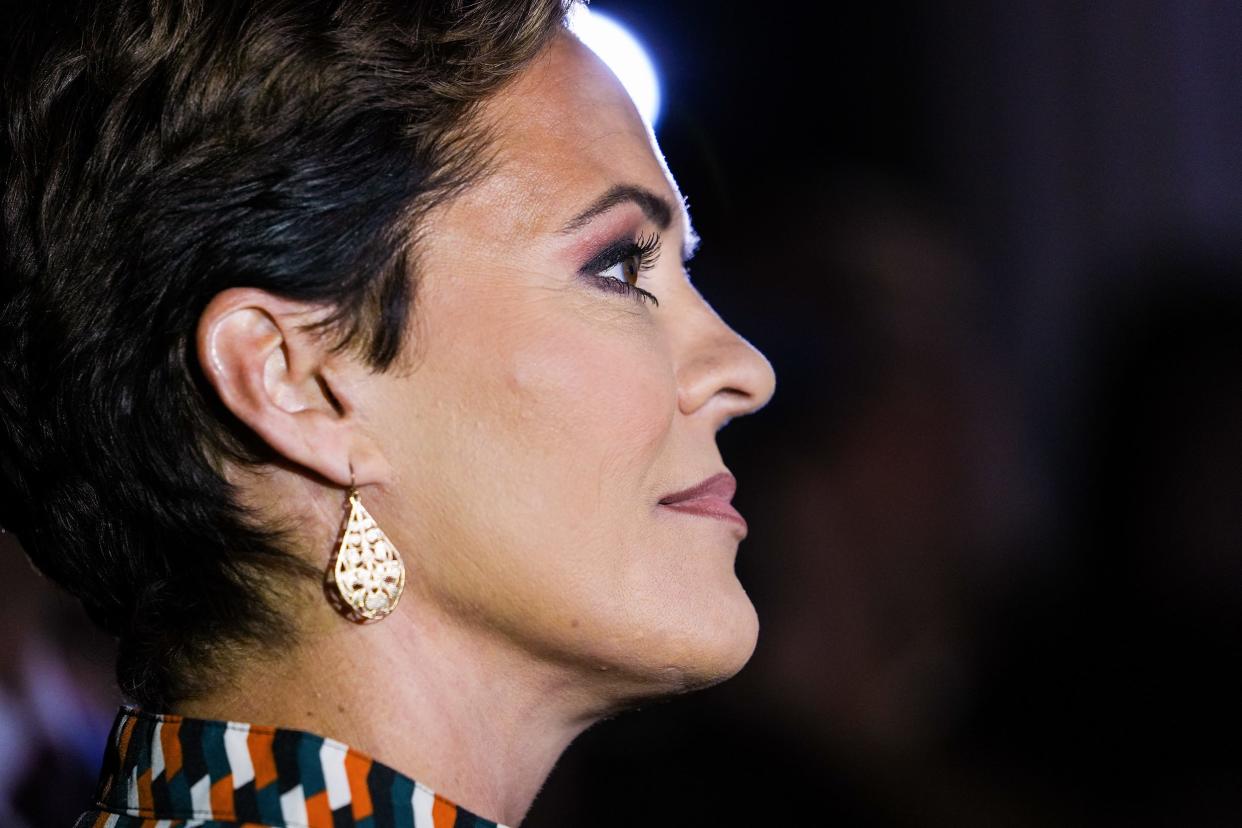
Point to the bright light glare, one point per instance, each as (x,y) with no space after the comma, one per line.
(623,54)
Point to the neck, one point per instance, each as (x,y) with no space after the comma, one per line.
(461,711)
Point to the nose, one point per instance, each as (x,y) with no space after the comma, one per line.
(720,375)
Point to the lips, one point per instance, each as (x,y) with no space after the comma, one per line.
(710,498)
(721,485)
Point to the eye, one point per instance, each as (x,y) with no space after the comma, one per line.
(617,267)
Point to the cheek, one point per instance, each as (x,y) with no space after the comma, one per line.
(594,407)
(543,430)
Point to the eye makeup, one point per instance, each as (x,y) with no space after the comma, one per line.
(628,257)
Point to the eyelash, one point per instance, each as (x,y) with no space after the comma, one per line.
(645,248)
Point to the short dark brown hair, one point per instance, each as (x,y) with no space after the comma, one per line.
(155,154)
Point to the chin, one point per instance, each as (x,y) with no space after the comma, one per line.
(728,649)
(702,650)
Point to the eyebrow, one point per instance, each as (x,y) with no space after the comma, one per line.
(657,208)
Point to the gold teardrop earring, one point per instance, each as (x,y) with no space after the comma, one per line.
(366,577)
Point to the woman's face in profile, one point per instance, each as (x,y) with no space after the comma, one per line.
(547,411)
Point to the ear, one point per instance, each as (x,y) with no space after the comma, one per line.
(281,382)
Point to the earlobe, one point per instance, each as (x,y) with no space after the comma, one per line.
(273,377)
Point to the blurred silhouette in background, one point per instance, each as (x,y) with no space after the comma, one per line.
(57,699)
(994,253)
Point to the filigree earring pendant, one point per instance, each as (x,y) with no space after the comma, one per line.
(367,575)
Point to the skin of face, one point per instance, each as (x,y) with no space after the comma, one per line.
(542,417)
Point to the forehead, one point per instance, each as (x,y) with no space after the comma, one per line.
(565,131)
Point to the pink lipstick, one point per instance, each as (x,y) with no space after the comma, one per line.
(710,497)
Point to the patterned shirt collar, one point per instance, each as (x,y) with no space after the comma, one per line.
(183,770)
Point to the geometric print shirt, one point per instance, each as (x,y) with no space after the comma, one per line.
(169,771)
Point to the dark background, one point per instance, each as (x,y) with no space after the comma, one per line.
(994,253)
